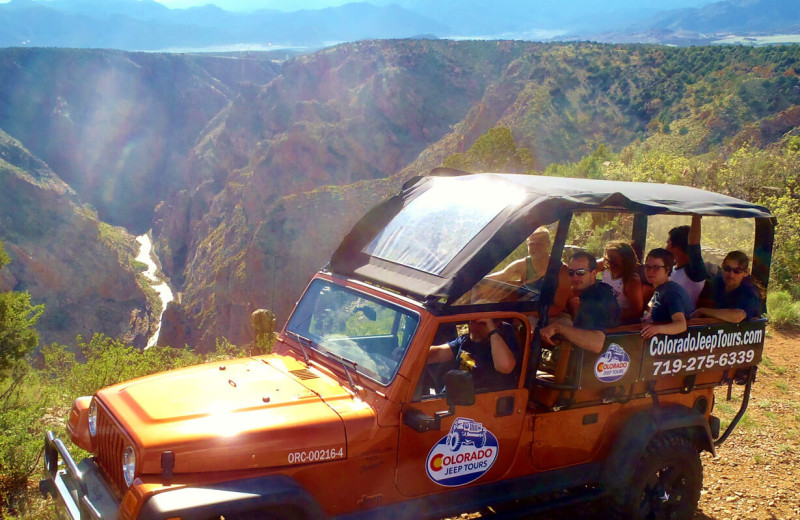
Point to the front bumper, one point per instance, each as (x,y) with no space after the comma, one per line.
(79,490)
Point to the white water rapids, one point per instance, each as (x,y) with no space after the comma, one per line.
(162,289)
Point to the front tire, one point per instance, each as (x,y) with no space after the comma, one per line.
(666,483)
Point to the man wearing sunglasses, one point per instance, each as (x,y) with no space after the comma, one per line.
(733,297)
(597,312)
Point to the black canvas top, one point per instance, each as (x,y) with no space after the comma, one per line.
(445,231)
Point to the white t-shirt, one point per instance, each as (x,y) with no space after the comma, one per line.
(617,285)
(693,288)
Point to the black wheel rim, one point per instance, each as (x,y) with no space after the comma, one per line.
(665,494)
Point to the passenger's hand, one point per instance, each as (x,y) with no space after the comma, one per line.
(649,330)
(548,332)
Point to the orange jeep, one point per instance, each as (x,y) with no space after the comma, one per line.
(347,419)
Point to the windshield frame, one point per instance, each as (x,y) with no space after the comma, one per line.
(378,366)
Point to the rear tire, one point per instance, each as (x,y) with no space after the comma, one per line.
(666,483)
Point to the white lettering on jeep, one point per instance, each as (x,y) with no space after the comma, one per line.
(665,345)
(302,457)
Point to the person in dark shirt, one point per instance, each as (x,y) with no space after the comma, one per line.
(733,296)
(598,309)
(490,352)
(670,304)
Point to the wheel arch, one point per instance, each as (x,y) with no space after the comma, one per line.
(640,430)
(233,497)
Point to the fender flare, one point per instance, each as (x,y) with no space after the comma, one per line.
(640,429)
(235,496)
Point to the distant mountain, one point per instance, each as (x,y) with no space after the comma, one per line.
(735,16)
(713,22)
(147,25)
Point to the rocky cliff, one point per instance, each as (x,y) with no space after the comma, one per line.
(80,268)
(116,126)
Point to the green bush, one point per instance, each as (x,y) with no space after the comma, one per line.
(784,313)
(36,399)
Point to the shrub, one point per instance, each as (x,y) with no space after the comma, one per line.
(33,400)
(784,313)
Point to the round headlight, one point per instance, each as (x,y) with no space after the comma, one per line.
(129,464)
(93,418)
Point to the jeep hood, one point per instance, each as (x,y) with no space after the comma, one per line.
(237,414)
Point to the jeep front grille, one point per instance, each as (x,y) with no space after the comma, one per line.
(109,445)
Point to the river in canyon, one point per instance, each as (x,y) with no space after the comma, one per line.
(161,287)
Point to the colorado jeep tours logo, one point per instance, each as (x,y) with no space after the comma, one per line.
(463,455)
(612,365)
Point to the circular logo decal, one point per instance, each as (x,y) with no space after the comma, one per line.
(463,455)
(612,365)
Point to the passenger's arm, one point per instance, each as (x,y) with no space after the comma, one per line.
(563,292)
(695,268)
(729,315)
(695,230)
(440,354)
(502,357)
(587,339)
(514,273)
(676,326)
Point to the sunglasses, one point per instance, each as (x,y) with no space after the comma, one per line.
(654,267)
(734,270)
(579,272)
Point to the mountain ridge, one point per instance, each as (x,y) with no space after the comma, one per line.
(148,25)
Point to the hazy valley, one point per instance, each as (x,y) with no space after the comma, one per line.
(249,168)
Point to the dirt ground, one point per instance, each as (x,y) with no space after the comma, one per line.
(757,470)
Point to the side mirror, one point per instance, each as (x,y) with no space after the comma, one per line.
(460,389)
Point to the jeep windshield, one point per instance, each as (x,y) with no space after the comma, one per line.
(369,335)
(437,225)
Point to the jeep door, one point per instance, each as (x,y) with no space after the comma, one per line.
(476,444)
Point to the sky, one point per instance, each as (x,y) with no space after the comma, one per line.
(294,5)
(252,5)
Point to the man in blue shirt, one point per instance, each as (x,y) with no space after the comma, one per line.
(733,296)
(490,352)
